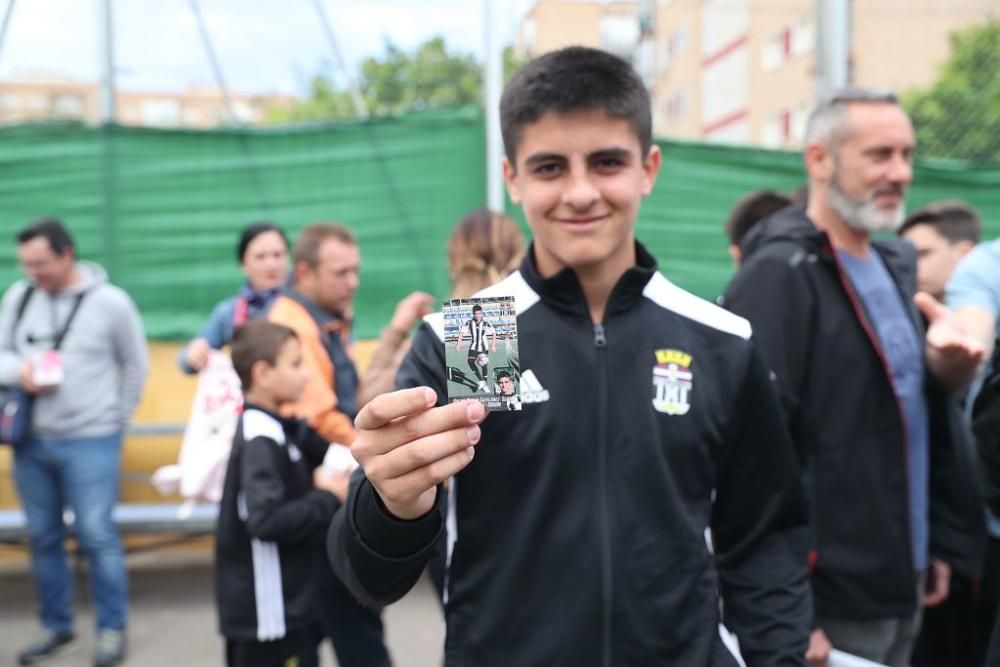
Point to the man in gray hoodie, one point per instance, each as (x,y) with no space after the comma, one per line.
(85,389)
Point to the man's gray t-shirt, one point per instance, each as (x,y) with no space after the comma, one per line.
(903,350)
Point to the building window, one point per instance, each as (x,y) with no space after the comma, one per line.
(772,131)
(679,42)
(786,126)
(795,39)
(619,35)
(665,53)
(160,112)
(803,39)
(675,107)
(68,106)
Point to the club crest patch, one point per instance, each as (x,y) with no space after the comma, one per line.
(672,382)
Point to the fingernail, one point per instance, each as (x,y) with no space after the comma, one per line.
(429,396)
(472,452)
(473,434)
(474,410)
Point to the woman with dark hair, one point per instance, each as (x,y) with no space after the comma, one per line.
(262,251)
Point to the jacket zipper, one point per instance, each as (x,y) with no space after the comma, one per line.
(601,343)
(859,312)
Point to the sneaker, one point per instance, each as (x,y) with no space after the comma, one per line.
(482,387)
(50,645)
(110,648)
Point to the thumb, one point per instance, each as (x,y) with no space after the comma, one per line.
(932,308)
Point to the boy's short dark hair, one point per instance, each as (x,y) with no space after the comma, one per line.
(476,308)
(574,79)
(52,230)
(954,220)
(257,340)
(751,209)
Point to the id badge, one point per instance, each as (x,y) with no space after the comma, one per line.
(47,368)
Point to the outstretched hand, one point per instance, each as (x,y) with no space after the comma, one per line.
(407,447)
(953,355)
(410,310)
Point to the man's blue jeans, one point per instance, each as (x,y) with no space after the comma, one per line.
(80,474)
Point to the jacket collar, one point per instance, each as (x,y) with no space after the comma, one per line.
(563,291)
(289,424)
(793,225)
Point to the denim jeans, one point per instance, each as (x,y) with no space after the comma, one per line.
(80,474)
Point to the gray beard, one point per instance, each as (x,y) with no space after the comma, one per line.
(863,215)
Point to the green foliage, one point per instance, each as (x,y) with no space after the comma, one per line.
(431,78)
(399,82)
(959,115)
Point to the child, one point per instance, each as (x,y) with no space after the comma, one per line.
(576,535)
(272,514)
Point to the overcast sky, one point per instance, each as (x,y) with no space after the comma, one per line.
(262,45)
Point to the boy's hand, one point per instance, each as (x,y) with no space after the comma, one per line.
(334,481)
(407,447)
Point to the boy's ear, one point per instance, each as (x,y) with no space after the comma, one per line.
(258,372)
(650,168)
(510,179)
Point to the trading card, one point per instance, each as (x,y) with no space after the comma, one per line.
(480,351)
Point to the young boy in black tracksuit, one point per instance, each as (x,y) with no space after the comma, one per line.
(576,536)
(274,508)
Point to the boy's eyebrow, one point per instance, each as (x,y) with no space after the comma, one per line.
(602,153)
(620,153)
(538,158)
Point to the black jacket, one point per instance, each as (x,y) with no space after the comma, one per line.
(270,522)
(577,535)
(813,332)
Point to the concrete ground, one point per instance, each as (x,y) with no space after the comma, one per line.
(172,622)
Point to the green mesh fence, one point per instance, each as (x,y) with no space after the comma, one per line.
(161,209)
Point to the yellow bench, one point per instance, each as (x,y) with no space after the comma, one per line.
(154,440)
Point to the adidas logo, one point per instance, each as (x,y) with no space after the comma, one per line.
(532,390)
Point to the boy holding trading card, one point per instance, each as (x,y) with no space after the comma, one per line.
(577,534)
(273,508)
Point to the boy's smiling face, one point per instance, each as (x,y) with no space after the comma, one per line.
(580,177)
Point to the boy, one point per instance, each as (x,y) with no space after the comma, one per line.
(577,535)
(271,516)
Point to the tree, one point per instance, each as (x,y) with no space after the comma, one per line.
(959,115)
(398,82)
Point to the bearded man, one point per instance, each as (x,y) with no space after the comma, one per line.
(893,504)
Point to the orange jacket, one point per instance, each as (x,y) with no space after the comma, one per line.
(318,404)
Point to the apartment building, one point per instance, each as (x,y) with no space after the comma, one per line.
(52,98)
(554,24)
(744,71)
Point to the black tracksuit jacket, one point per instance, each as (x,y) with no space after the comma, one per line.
(577,534)
(270,522)
(814,333)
